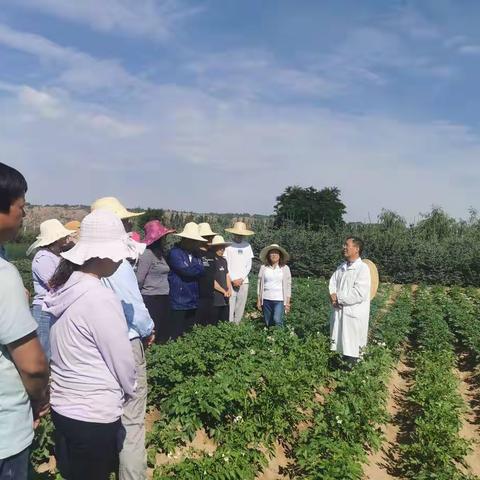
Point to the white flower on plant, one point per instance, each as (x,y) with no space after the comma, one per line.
(338,419)
(252,352)
(237,419)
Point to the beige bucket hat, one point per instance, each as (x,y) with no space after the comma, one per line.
(191,231)
(218,241)
(205,230)
(103,235)
(113,205)
(239,228)
(373,277)
(50,231)
(265,251)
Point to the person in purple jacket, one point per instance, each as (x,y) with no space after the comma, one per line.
(92,363)
(186,268)
(53,240)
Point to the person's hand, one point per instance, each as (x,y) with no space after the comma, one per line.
(228,293)
(334,300)
(259,305)
(40,409)
(149,340)
(27,294)
(237,283)
(287,308)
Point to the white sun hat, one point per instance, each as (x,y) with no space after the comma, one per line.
(218,241)
(240,228)
(50,231)
(191,231)
(205,230)
(113,205)
(102,235)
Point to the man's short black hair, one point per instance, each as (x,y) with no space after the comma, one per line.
(358,242)
(12,187)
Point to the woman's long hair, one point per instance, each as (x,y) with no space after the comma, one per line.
(62,273)
(281,261)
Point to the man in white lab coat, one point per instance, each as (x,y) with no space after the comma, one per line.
(350,297)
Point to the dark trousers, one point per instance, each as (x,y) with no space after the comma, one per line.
(221,314)
(159,308)
(182,321)
(204,312)
(85,450)
(15,467)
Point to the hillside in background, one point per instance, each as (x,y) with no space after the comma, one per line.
(36,214)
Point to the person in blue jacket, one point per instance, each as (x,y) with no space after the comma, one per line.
(186,268)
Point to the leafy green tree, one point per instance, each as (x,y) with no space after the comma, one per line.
(309,207)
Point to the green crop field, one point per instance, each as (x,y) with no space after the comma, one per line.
(243,402)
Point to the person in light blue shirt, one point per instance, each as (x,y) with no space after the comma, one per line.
(124,283)
(23,365)
(133,458)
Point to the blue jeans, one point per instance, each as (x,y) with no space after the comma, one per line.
(273,312)
(45,321)
(15,467)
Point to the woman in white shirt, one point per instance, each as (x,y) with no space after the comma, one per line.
(274,289)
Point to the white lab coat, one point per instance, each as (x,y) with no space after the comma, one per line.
(349,323)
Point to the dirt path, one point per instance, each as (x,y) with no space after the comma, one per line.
(470,392)
(381,464)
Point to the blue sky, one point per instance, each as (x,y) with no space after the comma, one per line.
(218,105)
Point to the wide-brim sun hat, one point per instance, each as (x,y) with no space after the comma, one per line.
(374,277)
(218,241)
(190,231)
(102,235)
(113,205)
(205,230)
(154,231)
(240,228)
(265,251)
(50,231)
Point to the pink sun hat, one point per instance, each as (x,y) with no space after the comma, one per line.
(154,231)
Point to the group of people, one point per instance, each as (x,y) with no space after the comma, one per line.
(102,295)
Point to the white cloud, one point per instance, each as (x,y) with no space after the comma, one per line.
(36,106)
(253,74)
(208,154)
(151,18)
(42,102)
(469,49)
(79,71)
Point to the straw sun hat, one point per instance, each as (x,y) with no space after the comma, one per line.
(113,205)
(191,231)
(205,230)
(239,228)
(102,235)
(218,241)
(264,253)
(373,277)
(73,225)
(50,231)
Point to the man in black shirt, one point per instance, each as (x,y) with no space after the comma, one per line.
(204,315)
